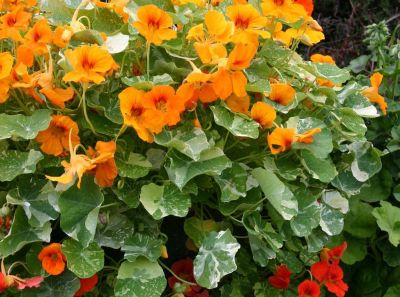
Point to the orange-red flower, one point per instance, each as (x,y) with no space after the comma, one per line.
(238,104)
(372,93)
(7,281)
(249,24)
(103,156)
(318,58)
(282,93)
(162,102)
(196,86)
(229,78)
(13,22)
(87,285)
(154,24)
(90,63)
(263,114)
(14,4)
(280,140)
(281,278)
(309,288)
(307,4)
(135,114)
(38,38)
(330,275)
(285,9)
(52,258)
(55,139)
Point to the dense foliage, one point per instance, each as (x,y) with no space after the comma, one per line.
(184,148)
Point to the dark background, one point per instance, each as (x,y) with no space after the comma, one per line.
(344,21)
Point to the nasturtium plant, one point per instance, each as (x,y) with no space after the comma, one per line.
(184,148)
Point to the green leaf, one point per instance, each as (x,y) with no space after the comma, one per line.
(251,200)
(367,161)
(239,125)
(144,245)
(26,127)
(232,182)
(35,197)
(79,210)
(390,254)
(360,222)
(197,229)
(351,121)
(393,291)
(261,251)
(308,217)
(356,250)
(388,219)
(335,200)
(322,144)
(259,86)
(322,169)
(332,220)
(14,163)
(216,258)
(327,71)
(65,285)
(162,201)
(182,169)
(135,167)
(189,141)
(264,289)
(277,193)
(83,262)
(378,188)
(346,182)
(21,233)
(113,234)
(141,278)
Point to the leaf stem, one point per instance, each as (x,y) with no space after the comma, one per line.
(148,59)
(85,86)
(174,275)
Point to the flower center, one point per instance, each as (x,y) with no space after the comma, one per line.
(87,64)
(242,23)
(11,21)
(279,2)
(153,24)
(161,104)
(136,111)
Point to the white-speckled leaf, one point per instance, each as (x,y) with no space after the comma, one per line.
(367,161)
(135,167)
(216,258)
(162,201)
(14,163)
(141,278)
(140,244)
(83,262)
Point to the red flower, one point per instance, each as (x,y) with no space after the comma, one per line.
(333,255)
(309,288)
(330,275)
(33,282)
(281,278)
(184,269)
(3,283)
(87,285)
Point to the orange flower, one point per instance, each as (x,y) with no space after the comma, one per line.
(135,114)
(154,24)
(318,58)
(4,88)
(62,36)
(372,93)
(6,64)
(87,285)
(106,169)
(57,96)
(118,6)
(280,140)
(307,137)
(285,9)
(53,259)
(13,22)
(229,78)
(55,139)
(162,103)
(38,38)
(90,63)
(79,164)
(282,93)
(263,114)
(307,4)
(238,104)
(13,4)
(210,47)
(196,86)
(248,22)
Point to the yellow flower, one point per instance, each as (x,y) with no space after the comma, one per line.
(309,33)
(285,9)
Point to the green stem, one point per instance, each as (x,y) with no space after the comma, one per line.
(21,104)
(121,131)
(148,59)
(109,205)
(177,277)
(85,86)
(16,264)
